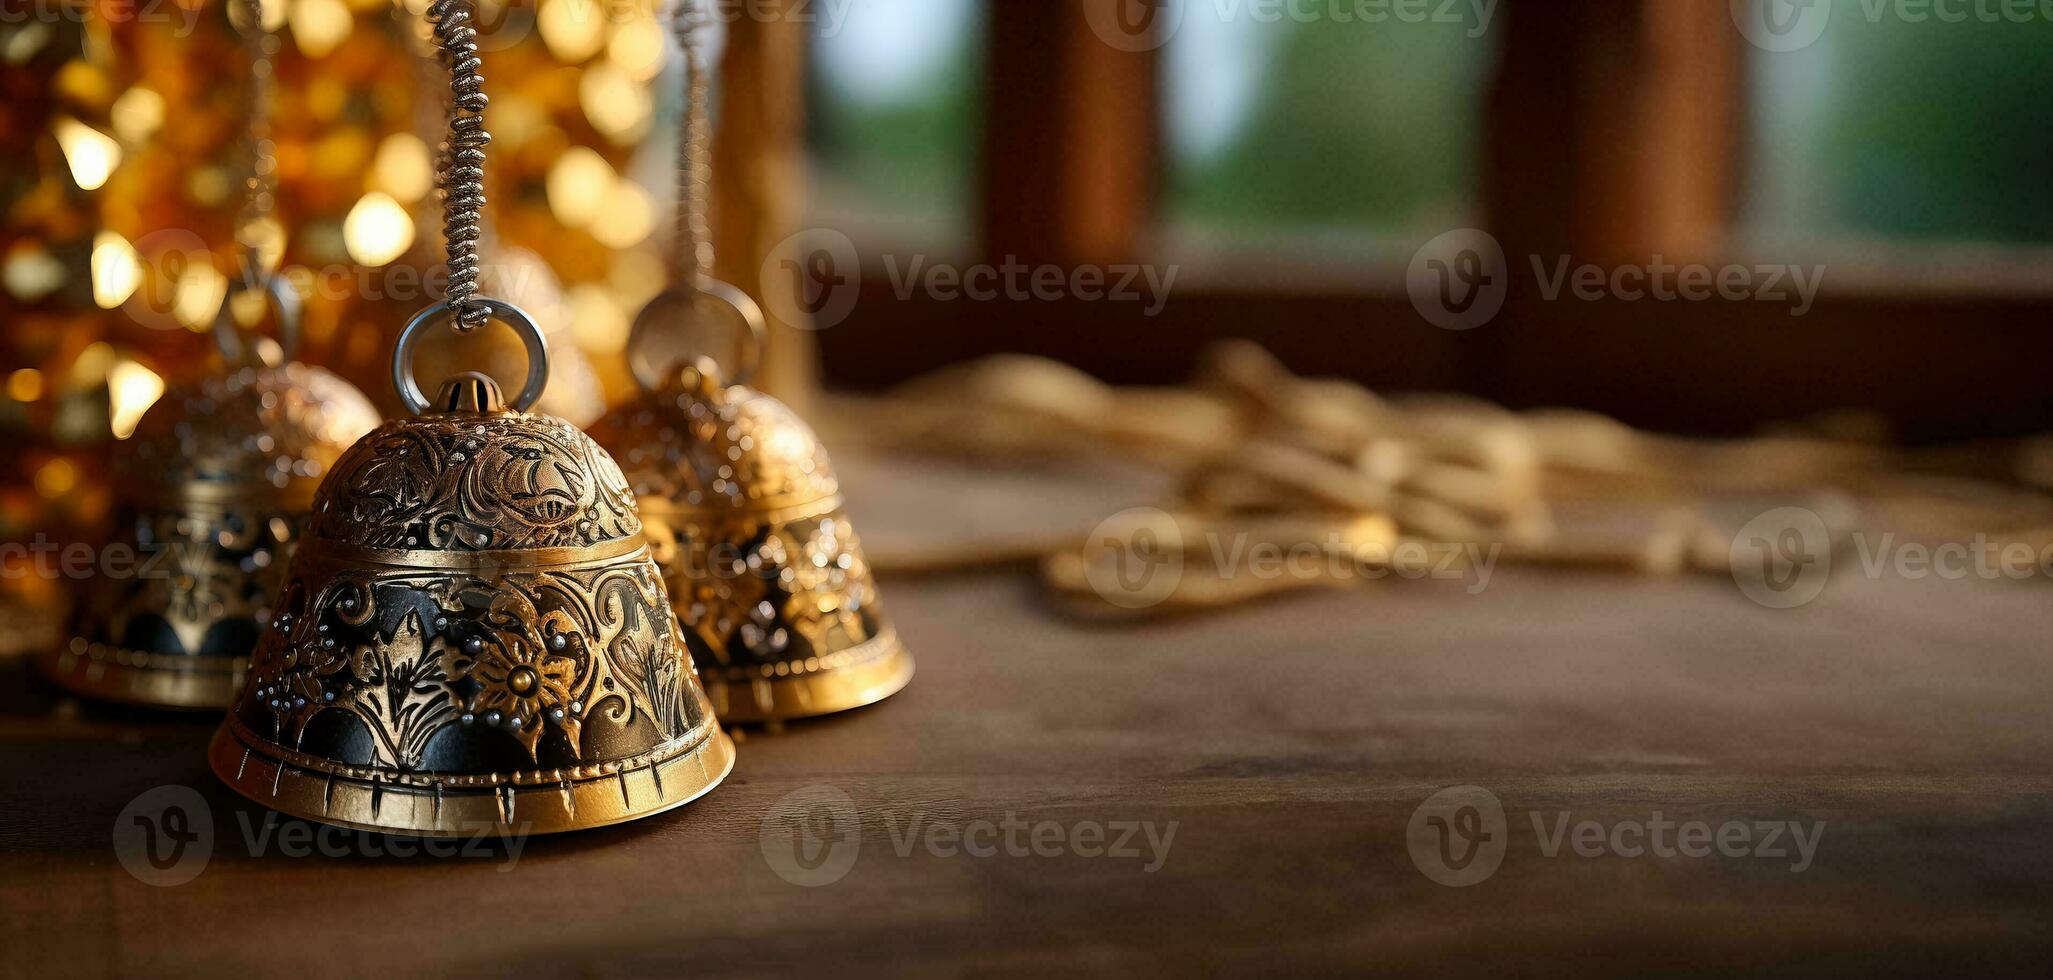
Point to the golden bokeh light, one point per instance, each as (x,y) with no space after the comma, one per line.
(320,26)
(31,272)
(577,186)
(25,385)
(403,168)
(617,105)
(573,30)
(56,478)
(131,390)
(637,47)
(91,154)
(377,231)
(627,216)
(137,114)
(197,296)
(117,270)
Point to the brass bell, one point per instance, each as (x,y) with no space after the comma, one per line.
(212,491)
(764,567)
(472,637)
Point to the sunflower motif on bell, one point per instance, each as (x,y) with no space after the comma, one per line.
(524,676)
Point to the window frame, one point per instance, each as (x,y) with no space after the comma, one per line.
(1614,131)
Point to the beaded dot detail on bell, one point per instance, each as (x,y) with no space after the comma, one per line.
(213,490)
(762,562)
(473,636)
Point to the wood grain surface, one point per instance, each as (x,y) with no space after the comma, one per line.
(1289,744)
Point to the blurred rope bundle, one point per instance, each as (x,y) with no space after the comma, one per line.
(1263,455)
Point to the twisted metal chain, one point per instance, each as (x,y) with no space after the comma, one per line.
(463,158)
(691,254)
(260,161)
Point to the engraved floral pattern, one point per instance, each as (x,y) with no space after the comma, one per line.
(460,482)
(258,429)
(524,676)
(762,565)
(408,655)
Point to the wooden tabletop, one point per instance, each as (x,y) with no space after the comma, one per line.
(1231,793)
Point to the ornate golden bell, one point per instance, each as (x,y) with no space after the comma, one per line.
(473,637)
(213,489)
(763,565)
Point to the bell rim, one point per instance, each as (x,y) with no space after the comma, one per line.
(255,773)
(761,700)
(201,682)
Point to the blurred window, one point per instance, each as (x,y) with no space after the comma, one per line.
(896,95)
(1282,129)
(1898,130)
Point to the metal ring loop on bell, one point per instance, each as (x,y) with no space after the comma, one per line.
(284,299)
(507,313)
(651,377)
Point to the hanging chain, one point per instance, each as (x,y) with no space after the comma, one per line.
(691,256)
(463,158)
(260,161)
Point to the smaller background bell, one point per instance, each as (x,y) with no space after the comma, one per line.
(763,565)
(212,491)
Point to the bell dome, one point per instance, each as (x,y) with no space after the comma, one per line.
(696,445)
(476,481)
(269,433)
(763,566)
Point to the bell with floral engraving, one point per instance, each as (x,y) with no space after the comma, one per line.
(473,636)
(213,489)
(764,567)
